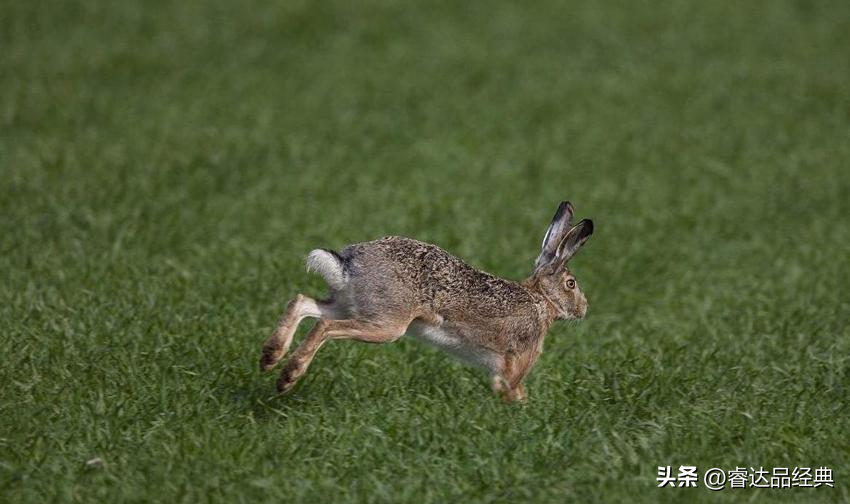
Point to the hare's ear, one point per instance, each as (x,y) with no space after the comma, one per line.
(574,240)
(555,234)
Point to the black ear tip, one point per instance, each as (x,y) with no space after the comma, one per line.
(588,225)
(563,208)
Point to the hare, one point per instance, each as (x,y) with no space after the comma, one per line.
(382,289)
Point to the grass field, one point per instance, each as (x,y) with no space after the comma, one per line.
(166,166)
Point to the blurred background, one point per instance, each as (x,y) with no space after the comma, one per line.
(165,167)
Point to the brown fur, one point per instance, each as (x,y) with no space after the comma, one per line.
(383,288)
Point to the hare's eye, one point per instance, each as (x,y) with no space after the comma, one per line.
(571,284)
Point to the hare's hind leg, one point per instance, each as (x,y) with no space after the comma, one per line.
(324,330)
(297,310)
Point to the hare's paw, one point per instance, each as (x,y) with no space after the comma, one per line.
(290,375)
(519,394)
(271,356)
(509,395)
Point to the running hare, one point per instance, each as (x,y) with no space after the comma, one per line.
(382,289)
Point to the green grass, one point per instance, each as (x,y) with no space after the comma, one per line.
(167,165)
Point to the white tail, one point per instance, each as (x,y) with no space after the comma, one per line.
(329,266)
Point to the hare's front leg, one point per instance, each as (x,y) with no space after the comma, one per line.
(369,332)
(297,310)
(507,380)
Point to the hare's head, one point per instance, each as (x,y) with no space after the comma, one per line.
(551,274)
